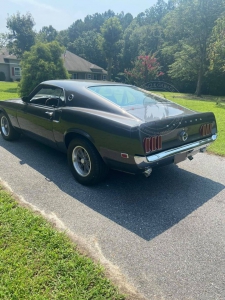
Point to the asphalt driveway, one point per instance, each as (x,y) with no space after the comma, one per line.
(165,233)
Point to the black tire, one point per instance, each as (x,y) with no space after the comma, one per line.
(85,163)
(7,131)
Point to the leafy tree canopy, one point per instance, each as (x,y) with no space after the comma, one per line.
(145,69)
(21,35)
(82,45)
(217,46)
(187,35)
(47,34)
(3,40)
(42,62)
(111,32)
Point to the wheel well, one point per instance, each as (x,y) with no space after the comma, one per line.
(73,135)
(3,112)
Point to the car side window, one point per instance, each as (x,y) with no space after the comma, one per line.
(49,96)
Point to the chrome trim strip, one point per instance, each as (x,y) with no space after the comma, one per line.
(142,160)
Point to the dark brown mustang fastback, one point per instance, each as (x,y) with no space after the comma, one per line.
(102,125)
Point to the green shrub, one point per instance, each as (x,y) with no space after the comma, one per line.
(2,76)
(42,62)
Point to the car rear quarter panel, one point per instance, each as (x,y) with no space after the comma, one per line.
(110,134)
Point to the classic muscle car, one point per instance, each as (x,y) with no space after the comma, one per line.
(103,125)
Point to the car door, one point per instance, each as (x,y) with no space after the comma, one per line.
(36,120)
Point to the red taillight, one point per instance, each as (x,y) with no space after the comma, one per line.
(153,143)
(206,129)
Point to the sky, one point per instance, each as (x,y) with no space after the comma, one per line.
(62,13)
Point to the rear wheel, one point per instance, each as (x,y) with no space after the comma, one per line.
(7,131)
(86,164)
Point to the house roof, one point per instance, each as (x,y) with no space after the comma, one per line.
(4,54)
(75,63)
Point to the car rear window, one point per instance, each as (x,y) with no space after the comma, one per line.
(126,95)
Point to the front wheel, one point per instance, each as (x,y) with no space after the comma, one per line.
(7,131)
(86,164)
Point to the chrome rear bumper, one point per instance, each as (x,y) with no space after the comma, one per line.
(189,149)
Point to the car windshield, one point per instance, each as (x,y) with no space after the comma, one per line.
(126,95)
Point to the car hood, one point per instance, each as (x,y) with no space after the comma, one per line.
(157,111)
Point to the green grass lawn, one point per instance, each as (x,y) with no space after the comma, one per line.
(8,90)
(38,262)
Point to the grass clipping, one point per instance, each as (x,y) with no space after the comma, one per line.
(39,262)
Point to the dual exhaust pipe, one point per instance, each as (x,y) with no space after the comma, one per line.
(148,171)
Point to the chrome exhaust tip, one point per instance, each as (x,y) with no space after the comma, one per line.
(147,172)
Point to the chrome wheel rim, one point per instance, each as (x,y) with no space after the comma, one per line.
(5,126)
(81,161)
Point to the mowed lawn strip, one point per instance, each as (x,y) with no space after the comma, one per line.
(8,90)
(38,262)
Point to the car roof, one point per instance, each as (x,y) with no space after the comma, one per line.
(72,83)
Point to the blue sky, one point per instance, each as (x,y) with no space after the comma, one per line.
(62,13)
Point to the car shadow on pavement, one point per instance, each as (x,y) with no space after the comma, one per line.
(144,206)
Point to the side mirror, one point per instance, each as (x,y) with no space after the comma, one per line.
(25,99)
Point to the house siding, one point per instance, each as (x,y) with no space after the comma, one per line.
(8,69)
(14,64)
(5,69)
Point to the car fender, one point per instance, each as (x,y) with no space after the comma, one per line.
(76,131)
(3,111)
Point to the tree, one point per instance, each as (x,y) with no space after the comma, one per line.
(86,46)
(188,29)
(217,46)
(3,40)
(75,30)
(146,68)
(215,77)
(130,44)
(156,12)
(63,38)
(125,20)
(43,62)
(141,39)
(47,34)
(111,32)
(21,35)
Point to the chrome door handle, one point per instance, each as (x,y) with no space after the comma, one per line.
(49,113)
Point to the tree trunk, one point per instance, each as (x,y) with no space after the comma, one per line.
(109,69)
(199,83)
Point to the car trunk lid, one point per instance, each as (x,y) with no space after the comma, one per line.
(168,125)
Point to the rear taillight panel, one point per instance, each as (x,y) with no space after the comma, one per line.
(206,129)
(153,143)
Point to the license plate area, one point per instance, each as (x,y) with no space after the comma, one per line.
(180,157)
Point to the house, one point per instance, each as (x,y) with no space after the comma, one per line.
(9,66)
(78,67)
